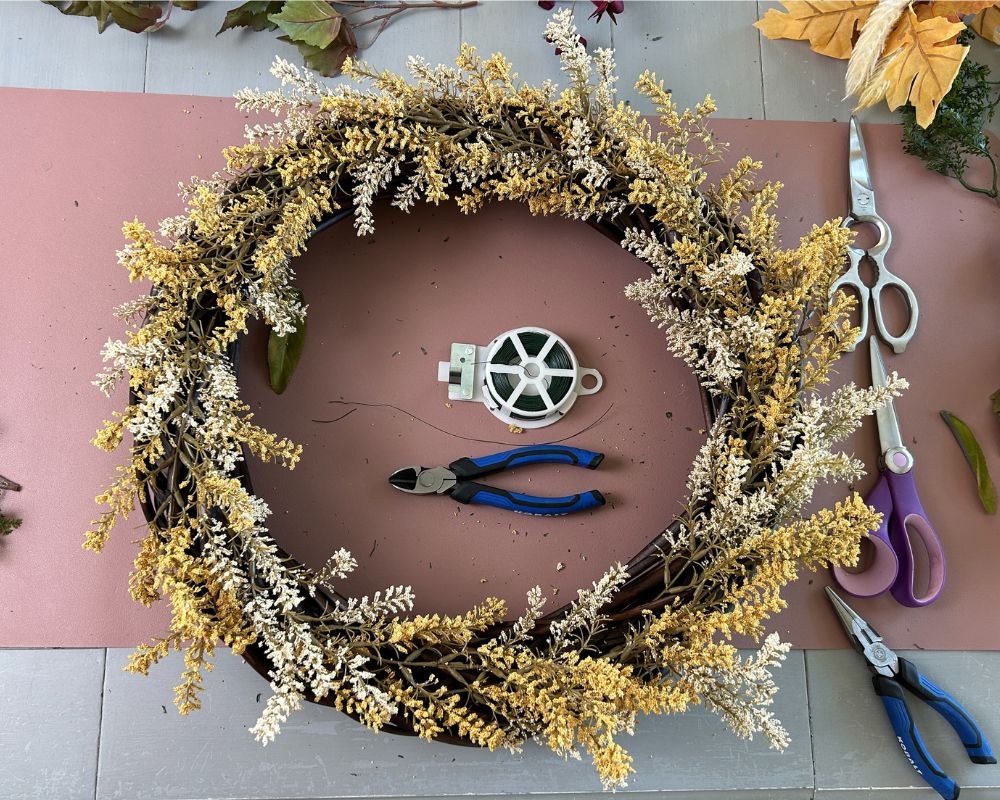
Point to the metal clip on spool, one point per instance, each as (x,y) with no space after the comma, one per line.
(527,377)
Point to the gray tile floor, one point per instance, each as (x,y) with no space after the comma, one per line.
(73,725)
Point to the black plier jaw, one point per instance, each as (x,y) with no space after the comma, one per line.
(423,480)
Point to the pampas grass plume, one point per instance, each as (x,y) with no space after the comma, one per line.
(866,53)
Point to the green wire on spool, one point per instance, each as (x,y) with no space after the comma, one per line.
(528,377)
(556,358)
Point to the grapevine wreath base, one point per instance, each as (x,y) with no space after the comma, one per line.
(755,322)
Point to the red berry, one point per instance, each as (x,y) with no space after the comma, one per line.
(548,5)
(616,7)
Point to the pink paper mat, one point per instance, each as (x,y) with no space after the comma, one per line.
(78,163)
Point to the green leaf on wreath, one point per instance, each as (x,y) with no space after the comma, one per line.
(977,461)
(251,15)
(326,61)
(284,352)
(100,11)
(310,21)
(135,17)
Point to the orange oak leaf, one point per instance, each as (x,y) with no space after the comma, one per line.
(920,64)
(987,24)
(830,26)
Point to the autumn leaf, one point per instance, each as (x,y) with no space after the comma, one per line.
(955,10)
(977,461)
(920,65)
(830,27)
(987,24)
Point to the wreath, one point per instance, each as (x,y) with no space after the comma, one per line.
(755,322)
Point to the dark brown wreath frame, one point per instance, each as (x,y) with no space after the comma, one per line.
(645,569)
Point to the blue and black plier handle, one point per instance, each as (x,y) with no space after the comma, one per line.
(458,480)
(892,674)
(890,690)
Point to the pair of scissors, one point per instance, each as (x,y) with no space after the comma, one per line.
(863,210)
(892,674)
(457,481)
(892,565)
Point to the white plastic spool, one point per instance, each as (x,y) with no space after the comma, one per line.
(472,375)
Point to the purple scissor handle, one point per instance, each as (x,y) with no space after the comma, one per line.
(893,565)
(883,567)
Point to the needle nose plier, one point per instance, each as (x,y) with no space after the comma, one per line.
(457,480)
(892,673)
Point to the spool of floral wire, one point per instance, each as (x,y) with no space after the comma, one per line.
(527,377)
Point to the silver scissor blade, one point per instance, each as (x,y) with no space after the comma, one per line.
(848,618)
(862,193)
(888,423)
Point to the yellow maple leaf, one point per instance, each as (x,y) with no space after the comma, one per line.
(830,26)
(955,9)
(920,65)
(987,24)
(904,27)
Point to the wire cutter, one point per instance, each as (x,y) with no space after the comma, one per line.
(892,673)
(863,210)
(903,518)
(457,480)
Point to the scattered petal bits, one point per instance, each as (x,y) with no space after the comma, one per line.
(560,567)
(514,428)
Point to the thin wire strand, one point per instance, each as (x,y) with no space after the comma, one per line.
(458,435)
(336,419)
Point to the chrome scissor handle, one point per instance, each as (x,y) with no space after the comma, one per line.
(888,279)
(883,278)
(852,280)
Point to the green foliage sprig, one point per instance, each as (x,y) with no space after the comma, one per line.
(8,524)
(325,33)
(957,133)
